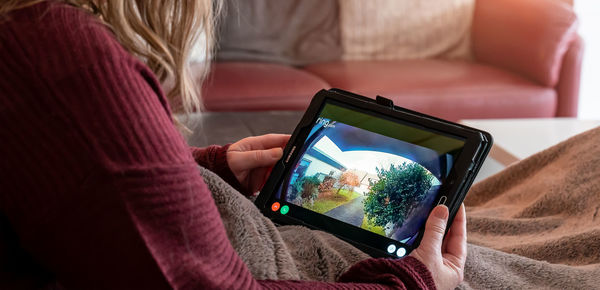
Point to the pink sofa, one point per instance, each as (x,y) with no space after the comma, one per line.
(527,61)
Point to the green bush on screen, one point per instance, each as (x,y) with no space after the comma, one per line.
(397,191)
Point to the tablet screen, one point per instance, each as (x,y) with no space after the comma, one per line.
(370,172)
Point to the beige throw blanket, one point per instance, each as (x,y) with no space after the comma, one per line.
(545,209)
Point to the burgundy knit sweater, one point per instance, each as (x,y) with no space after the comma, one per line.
(97,187)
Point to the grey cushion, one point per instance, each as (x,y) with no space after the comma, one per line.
(293,32)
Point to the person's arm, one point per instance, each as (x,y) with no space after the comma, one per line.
(111,197)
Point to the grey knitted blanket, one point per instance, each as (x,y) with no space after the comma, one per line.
(294,252)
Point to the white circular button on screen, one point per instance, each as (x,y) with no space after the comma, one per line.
(401,252)
(391,248)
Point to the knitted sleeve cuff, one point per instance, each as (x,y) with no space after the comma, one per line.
(408,273)
(214,158)
(419,272)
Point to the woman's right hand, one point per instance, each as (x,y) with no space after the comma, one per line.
(444,257)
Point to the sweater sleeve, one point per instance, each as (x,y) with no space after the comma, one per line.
(214,158)
(99,186)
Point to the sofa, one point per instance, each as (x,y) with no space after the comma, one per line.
(526,64)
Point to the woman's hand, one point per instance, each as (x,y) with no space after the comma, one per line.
(252,158)
(445,258)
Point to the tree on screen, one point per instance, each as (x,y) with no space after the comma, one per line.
(308,188)
(348,180)
(398,190)
(326,186)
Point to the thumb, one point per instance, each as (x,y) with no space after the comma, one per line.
(434,230)
(259,158)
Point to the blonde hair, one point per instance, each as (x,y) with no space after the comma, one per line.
(160,32)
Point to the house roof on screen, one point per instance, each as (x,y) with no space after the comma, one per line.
(349,138)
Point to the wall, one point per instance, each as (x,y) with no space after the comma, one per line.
(318,166)
(589,29)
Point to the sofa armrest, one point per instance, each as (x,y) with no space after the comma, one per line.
(527,37)
(567,88)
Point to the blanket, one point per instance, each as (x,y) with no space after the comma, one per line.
(545,208)
(534,225)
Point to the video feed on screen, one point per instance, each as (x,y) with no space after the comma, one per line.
(375,182)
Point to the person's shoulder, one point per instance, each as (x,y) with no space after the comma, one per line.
(59,38)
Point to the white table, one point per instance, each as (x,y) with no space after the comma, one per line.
(516,139)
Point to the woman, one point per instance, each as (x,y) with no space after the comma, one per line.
(99,189)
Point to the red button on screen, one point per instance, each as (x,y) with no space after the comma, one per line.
(275,206)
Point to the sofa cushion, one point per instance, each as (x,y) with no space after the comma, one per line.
(407,29)
(293,32)
(247,86)
(447,89)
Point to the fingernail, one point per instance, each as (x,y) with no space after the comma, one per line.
(277,153)
(441,212)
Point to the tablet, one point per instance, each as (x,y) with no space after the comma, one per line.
(370,172)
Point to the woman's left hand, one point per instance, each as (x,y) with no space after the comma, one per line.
(252,158)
